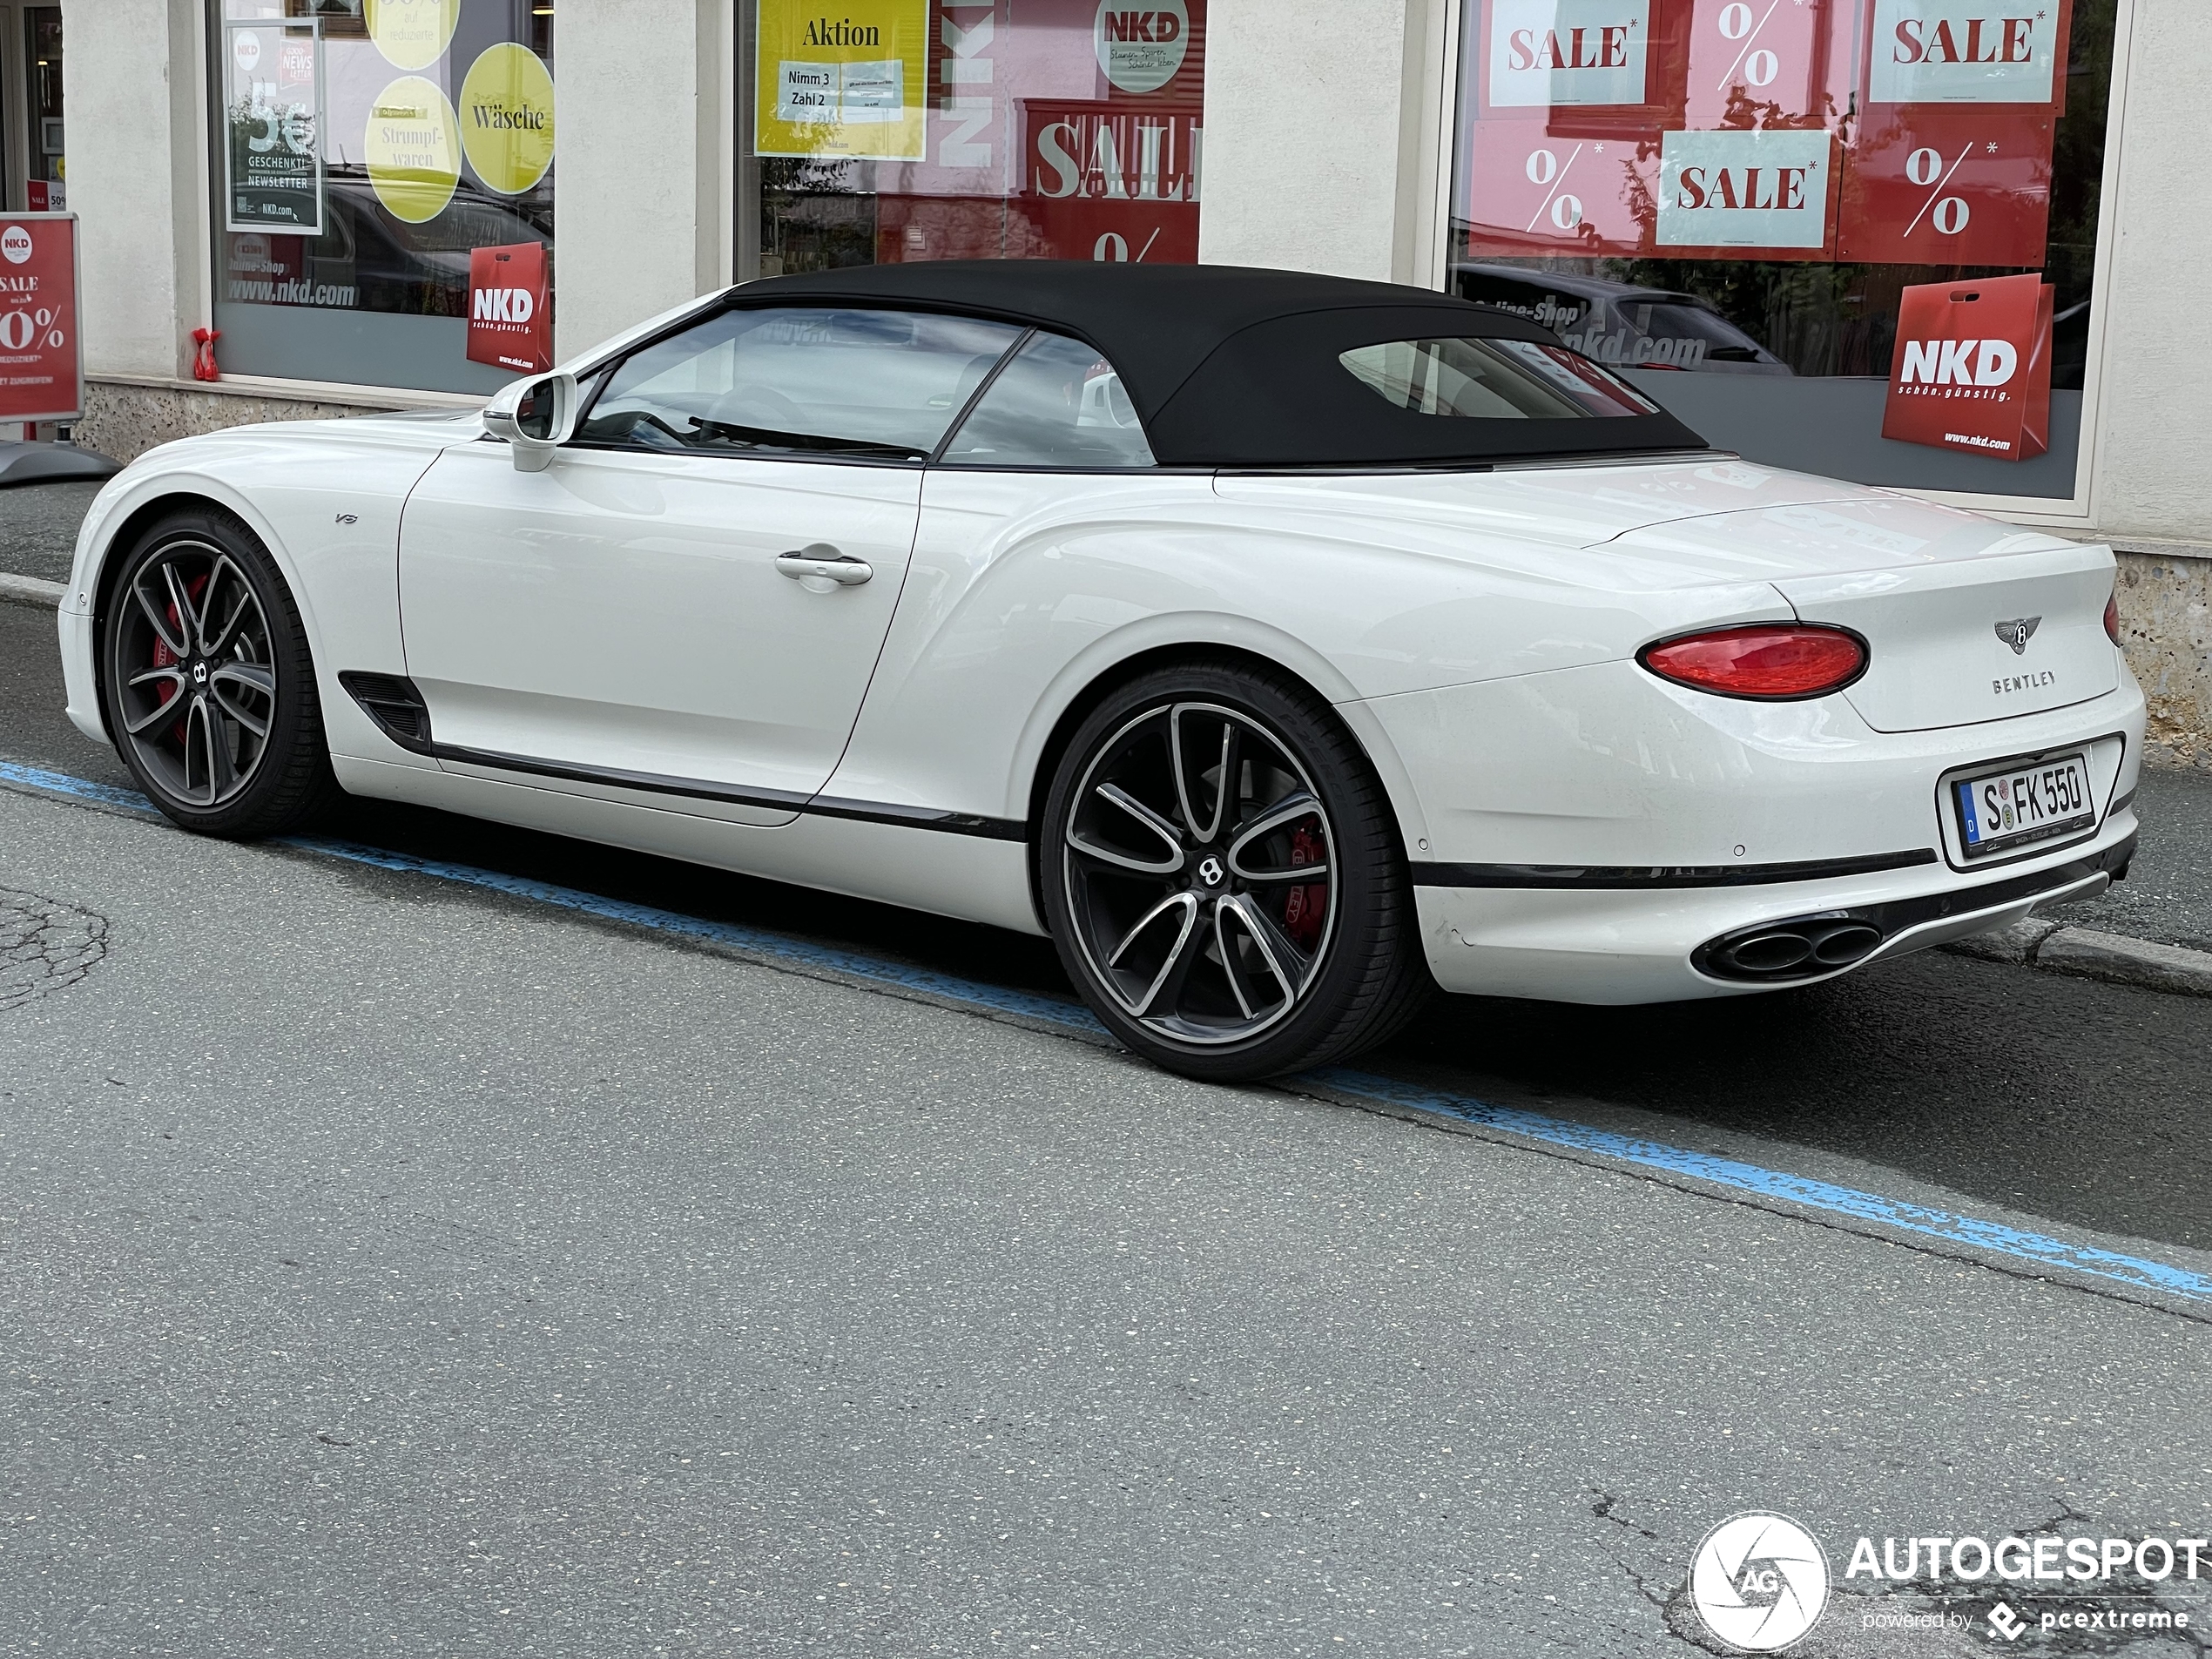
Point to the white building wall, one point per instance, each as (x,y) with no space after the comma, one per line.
(137,179)
(1323,124)
(2154,456)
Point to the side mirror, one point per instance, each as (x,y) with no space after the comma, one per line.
(535,417)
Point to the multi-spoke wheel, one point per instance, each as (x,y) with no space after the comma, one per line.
(210,695)
(1223,879)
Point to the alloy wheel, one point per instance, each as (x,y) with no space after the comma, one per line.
(195,677)
(1198,859)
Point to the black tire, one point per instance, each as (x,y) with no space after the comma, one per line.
(1179,915)
(199,619)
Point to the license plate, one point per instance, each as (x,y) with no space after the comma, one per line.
(2031,802)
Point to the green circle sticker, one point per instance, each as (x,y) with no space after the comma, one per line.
(411,33)
(507,118)
(413,150)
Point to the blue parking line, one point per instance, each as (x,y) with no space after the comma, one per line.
(1994,1238)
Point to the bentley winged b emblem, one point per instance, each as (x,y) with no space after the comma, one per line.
(2018,632)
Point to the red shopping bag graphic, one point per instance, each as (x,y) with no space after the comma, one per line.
(1947,185)
(1972,369)
(510,325)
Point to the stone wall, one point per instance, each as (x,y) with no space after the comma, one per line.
(126,418)
(2165,624)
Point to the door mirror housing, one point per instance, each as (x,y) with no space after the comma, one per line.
(535,417)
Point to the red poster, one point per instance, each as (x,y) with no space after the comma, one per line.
(1058,129)
(1764,63)
(510,324)
(1947,185)
(1534,193)
(41,370)
(1972,367)
(1603,69)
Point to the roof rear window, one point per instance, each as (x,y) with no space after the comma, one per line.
(1492,379)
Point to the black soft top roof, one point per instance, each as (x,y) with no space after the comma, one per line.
(1234,367)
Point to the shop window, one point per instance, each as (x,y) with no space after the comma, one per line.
(886,131)
(383,177)
(1775,215)
(45,178)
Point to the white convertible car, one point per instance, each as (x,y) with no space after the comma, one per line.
(1277,644)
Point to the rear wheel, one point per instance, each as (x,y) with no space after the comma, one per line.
(209,687)
(1224,879)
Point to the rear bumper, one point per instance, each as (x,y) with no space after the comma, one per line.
(1654,945)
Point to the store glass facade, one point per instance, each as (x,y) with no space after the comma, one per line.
(383,178)
(1858,236)
(886,131)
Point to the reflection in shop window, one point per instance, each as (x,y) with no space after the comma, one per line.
(374,161)
(1737,204)
(1020,129)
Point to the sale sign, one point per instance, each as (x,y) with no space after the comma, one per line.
(1755,188)
(1531,193)
(1972,367)
(509,324)
(1545,53)
(41,368)
(1113,181)
(1947,185)
(1967,51)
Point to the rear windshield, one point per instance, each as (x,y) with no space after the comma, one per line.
(1492,379)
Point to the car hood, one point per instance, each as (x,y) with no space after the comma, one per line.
(1649,528)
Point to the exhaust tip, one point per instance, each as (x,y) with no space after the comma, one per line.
(1777,952)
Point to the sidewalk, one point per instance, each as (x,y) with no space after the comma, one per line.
(2167,898)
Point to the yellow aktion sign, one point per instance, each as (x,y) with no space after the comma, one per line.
(847,83)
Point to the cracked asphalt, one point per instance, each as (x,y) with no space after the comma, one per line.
(397,1268)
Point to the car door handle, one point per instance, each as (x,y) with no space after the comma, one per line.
(822,562)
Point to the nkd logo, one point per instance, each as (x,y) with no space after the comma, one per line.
(1743,189)
(1140,47)
(1961,51)
(1143,25)
(515,306)
(1957,363)
(1548,52)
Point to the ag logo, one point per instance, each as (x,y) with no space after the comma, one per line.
(1141,43)
(1759,1581)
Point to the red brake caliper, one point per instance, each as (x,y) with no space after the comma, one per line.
(164,657)
(1308,907)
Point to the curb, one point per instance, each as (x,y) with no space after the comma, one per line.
(2084,953)
(29,590)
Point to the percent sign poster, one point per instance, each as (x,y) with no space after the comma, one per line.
(41,375)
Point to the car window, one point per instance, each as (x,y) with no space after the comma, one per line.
(1492,379)
(800,380)
(1057,404)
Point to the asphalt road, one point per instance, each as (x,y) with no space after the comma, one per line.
(398,1267)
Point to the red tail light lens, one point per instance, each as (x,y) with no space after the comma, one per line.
(1769,660)
(2112,616)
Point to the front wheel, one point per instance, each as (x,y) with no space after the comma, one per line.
(1224,877)
(209,687)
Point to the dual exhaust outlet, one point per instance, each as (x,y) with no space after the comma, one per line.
(1775,953)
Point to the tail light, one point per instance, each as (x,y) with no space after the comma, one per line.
(2112,616)
(1771,661)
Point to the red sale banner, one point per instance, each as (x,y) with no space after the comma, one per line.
(41,368)
(509,321)
(1532,192)
(1947,185)
(1972,367)
(1969,51)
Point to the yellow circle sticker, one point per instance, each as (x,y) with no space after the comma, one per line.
(413,152)
(507,118)
(411,33)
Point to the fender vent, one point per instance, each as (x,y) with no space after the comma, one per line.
(394,704)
